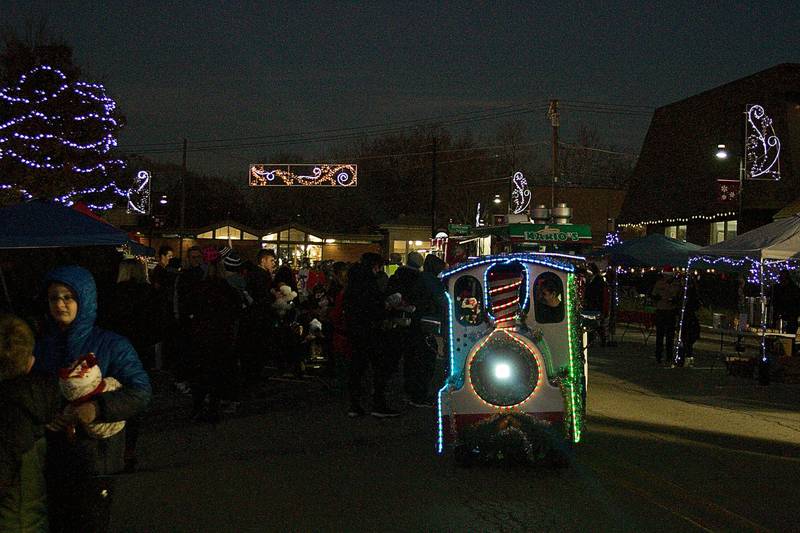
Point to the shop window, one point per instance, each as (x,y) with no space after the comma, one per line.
(676,232)
(399,247)
(270,237)
(249,236)
(314,252)
(548,296)
(206,235)
(314,238)
(723,230)
(285,235)
(295,235)
(468,301)
(226,232)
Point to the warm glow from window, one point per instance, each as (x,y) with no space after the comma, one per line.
(206,235)
(270,237)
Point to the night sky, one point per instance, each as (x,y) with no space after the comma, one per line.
(229,70)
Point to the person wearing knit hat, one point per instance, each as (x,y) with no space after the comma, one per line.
(232,261)
(414,260)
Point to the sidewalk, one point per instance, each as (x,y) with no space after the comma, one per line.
(708,381)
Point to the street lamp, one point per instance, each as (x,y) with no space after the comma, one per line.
(722,153)
(497,199)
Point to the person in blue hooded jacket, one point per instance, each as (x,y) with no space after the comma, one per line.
(78,469)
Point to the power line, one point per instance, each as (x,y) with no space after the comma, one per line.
(392,125)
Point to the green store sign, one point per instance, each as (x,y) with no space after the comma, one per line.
(555,233)
(459,229)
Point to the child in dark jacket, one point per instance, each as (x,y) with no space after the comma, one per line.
(27,402)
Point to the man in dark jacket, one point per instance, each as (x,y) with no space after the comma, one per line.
(408,340)
(364,313)
(80,488)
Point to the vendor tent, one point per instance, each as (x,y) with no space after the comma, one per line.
(655,250)
(39,224)
(777,241)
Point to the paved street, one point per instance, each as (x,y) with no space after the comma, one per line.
(665,450)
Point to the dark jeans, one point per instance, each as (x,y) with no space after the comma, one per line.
(665,332)
(371,348)
(419,362)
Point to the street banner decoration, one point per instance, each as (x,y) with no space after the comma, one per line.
(727,190)
(303,175)
(139,194)
(762,146)
(521,194)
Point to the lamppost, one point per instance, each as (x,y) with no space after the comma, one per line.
(722,154)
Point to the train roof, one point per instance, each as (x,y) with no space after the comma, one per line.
(555,261)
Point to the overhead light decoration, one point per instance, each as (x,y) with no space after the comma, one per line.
(722,152)
(139,194)
(304,175)
(497,199)
(521,195)
(762,146)
(51,143)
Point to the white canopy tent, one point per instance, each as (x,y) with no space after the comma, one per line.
(770,247)
(777,241)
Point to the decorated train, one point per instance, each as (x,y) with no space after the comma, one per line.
(516,363)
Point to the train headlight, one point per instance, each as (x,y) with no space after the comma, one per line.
(502,371)
(505,371)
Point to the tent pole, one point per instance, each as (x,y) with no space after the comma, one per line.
(679,344)
(5,290)
(763,362)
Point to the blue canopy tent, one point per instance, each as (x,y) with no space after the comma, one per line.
(40,224)
(655,250)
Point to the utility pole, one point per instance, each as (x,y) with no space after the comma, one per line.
(552,114)
(183,186)
(433,191)
(183,197)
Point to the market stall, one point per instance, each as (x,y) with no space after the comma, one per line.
(762,253)
(46,225)
(653,252)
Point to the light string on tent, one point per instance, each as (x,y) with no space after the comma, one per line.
(761,272)
(612,239)
(30,104)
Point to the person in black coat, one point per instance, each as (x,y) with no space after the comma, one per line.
(364,312)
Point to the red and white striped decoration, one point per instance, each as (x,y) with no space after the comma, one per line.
(504,295)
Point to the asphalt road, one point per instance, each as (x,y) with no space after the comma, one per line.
(665,450)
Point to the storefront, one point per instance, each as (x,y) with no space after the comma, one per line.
(564,238)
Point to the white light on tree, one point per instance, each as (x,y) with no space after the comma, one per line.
(139,194)
(57,135)
(502,371)
(304,175)
(521,195)
(762,148)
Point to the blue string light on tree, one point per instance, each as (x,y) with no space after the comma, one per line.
(58,136)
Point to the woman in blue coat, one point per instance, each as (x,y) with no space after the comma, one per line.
(79,469)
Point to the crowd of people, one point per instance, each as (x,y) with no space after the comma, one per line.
(74,386)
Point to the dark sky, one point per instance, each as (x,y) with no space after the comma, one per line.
(220,70)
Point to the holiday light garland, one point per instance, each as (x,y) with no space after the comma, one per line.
(574,380)
(521,195)
(762,146)
(612,239)
(344,175)
(31,108)
(678,219)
